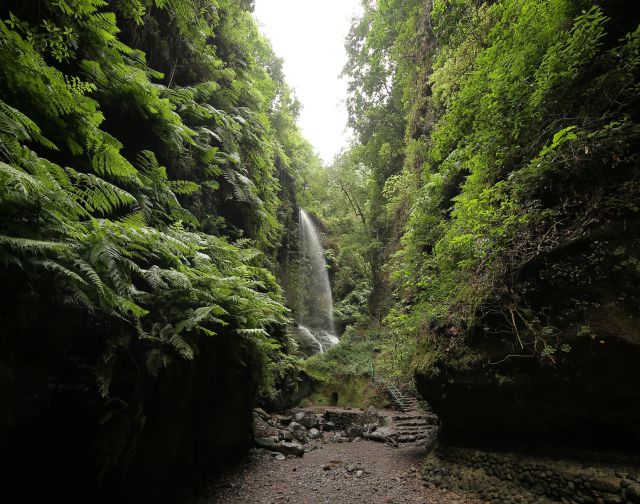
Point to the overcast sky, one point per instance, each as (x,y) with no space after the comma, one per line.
(309,36)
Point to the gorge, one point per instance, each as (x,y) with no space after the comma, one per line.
(193,299)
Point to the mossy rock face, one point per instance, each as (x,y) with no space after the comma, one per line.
(580,386)
(592,400)
(356,392)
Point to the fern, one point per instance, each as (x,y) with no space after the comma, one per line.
(108,161)
(98,195)
(118,235)
(183,186)
(181,346)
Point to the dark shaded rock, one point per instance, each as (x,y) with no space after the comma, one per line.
(328,426)
(341,419)
(280,447)
(298,431)
(307,419)
(354,431)
(538,403)
(609,484)
(633,493)
(261,413)
(261,426)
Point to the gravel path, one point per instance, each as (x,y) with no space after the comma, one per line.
(362,472)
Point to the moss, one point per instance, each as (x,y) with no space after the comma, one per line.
(357,393)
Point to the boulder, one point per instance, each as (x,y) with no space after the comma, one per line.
(353,423)
(328,426)
(261,425)
(261,413)
(383,435)
(314,433)
(306,418)
(280,446)
(354,431)
(633,493)
(298,431)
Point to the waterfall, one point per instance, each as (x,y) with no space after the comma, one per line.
(315,306)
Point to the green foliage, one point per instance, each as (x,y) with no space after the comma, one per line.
(141,147)
(350,359)
(522,93)
(494,135)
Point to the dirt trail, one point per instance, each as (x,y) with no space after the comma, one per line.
(362,472)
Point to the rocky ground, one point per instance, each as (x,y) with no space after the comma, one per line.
(365,472)
(347,456)
(336,456)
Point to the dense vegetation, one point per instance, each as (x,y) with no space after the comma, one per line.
(481,229)
(148,156)
(495,217)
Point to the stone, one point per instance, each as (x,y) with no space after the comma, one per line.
(633,493)
(328,426)
(359,473)
(262,413)
(298,431)
(314,433)
(354,431)
(307,419)
(280,456)
(343,418)
(261,425)
(281,447)
(607,484)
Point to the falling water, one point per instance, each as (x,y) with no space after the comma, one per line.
(315,310)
